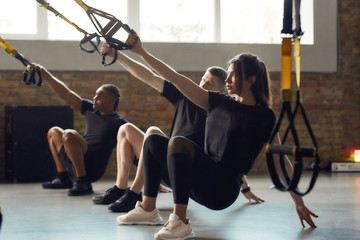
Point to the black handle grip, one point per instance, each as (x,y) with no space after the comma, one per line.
(95,44)
(30,77)
(105,63)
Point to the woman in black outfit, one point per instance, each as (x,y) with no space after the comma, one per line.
(237,128)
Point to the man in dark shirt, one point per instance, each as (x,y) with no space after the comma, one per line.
(83,157)
(189,120)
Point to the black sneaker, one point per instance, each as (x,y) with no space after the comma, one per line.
(126,202)
(80,188)
(57,183)
(110,196)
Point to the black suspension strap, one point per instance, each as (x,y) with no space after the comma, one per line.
(107,32)
(93,39)
(28,77)
(298,152)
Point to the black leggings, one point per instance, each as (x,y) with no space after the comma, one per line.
(183,166)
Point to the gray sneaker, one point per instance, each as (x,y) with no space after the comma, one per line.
(175,229)
(138,216)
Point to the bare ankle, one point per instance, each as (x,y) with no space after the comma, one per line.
(183,219)
(149,207)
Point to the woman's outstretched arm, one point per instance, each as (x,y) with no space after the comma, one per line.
(189,88)
(303,212)
(137,69)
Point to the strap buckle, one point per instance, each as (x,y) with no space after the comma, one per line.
(110,29)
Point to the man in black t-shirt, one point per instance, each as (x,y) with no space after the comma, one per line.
(83,157)
(189,121)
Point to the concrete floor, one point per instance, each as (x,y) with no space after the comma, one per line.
(31,212)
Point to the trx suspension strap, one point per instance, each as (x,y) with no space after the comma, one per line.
(87,37)
(295,150)
(107,32)
(29,77)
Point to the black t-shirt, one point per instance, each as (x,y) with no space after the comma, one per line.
(189,119)
(236,133)
(101,130)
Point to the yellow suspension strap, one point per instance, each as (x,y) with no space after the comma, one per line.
(295,150)
(93,39)
(28,77)
(107,32)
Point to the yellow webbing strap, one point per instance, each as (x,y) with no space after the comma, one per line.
(60,15)
(286,63)
(297,56)
(8,48)
(286,66)
(82,4)
(50,8)
(71,23)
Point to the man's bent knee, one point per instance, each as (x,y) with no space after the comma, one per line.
(70,135)
(55,137)
(55,131)
(152,130)
(124,130)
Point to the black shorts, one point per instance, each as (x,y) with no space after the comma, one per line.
(67,162)
(95,165)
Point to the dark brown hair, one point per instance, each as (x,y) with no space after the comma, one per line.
(247,65)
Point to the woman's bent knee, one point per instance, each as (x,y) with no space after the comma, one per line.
(151,141)
(180,144)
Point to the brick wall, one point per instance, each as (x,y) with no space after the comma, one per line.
(139,103)
(331,100)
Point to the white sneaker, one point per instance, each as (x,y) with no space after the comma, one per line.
(141,217)
(175,229)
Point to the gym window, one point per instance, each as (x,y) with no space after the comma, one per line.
(200,21)
(189,35)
